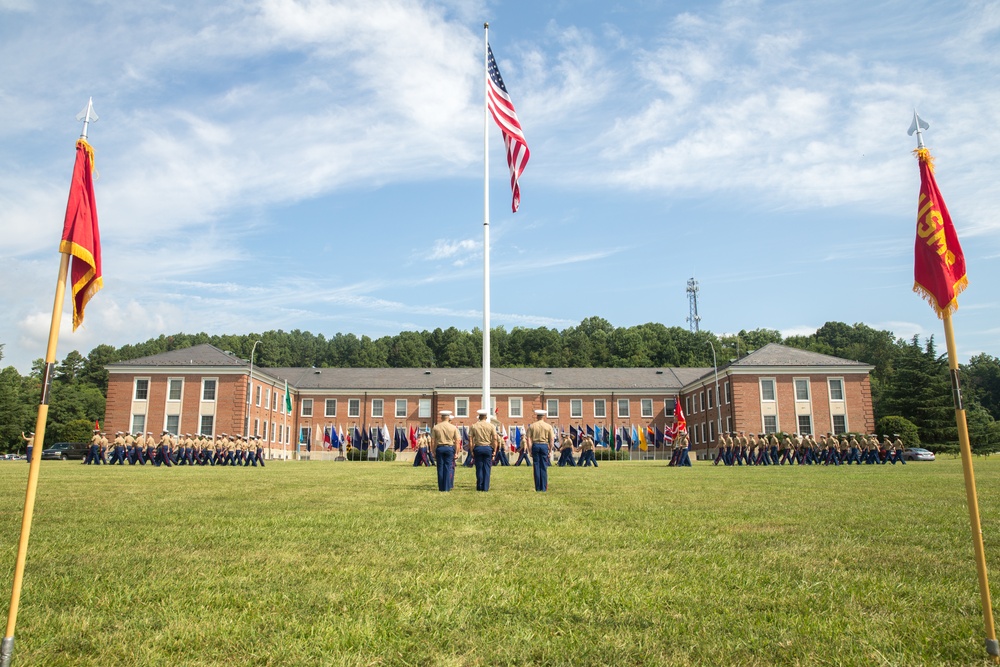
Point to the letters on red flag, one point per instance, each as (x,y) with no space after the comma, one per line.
(81,238)
(938,262)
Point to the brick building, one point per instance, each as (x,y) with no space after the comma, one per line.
(203,389)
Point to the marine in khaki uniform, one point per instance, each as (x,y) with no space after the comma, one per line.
(445,441)
(485,442)
(540,438)
(587,456)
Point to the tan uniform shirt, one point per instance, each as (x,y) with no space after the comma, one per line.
(483,434)
(444,434)
(540,433)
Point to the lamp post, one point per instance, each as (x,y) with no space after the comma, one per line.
(718,399)
(246,428)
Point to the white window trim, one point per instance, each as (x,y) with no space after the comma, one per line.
(216,392)
(354,413)
(795,388)
(406,408)
(548,405)
(843,390)
(701,401)
(326,407)
(381,403)
(763,424)
(812,427)
(175,400)
(166,418)
(421,404)
(575,414)
(668,407)
(135,388)
(510,407)
(458,413)
(260,390)
(302,407)
(774,390)
(604,408)
(256,426)
(729,395)
(201,425)
(643,414)
(618,408)
(711,398)
(267,398)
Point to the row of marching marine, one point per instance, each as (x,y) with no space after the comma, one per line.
(170,450)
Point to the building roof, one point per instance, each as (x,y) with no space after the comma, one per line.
(662,380)
(666,379)
(774,354)
(198,355)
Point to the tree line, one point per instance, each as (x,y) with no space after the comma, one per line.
(910,379)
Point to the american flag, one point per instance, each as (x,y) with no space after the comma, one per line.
(513,139)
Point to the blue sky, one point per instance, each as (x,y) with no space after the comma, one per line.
(317,165)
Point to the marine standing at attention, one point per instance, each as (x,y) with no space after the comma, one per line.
(485,442)
(540,438)
(444,440)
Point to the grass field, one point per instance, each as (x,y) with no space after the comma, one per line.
(628,564)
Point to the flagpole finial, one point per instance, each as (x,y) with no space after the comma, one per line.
(917,125)
(88,116)
(486,26)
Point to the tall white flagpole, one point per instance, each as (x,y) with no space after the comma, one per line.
(486,221)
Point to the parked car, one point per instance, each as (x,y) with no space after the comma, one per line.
(917,454)
(65,451)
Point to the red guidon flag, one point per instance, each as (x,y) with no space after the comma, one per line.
(938,262)
(81,238)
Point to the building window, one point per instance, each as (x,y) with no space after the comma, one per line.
(267,397)
(694,434)
(600,408)
(668,407)
(274,403)
(839,424)
(710,398)
(174,389)
(729,424)
(141,389)
(304,435)
(687,405)
(575,408)
(552,407)
(646,408)
(207,425)
(702,429)
(711,431)
(306,407)
(173,424)
(264,433)
(377,408)
(354,407)
(424,408)
(729,398)
(514,407)
(623,410)
(330,410)
(462,407)
(770,424)
(801,389)
(274,431)
(701,401)
(836,389)
(767,389)
(256,427)
(208,389)
(138,423)
(257,401)
(401,408)
(805,424)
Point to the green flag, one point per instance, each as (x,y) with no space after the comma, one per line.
(288,400)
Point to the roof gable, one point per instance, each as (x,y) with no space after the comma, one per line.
(198,355)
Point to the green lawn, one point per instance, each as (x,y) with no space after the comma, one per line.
(629,564)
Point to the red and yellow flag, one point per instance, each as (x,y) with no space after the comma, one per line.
(938,262)
(81,237)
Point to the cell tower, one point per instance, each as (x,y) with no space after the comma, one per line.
(693,318)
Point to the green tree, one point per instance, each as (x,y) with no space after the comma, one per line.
(981,381)
(408,350)
(94,371)
(892,425)
(15,413)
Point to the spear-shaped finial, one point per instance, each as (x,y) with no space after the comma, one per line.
(917,125)
(88,115)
